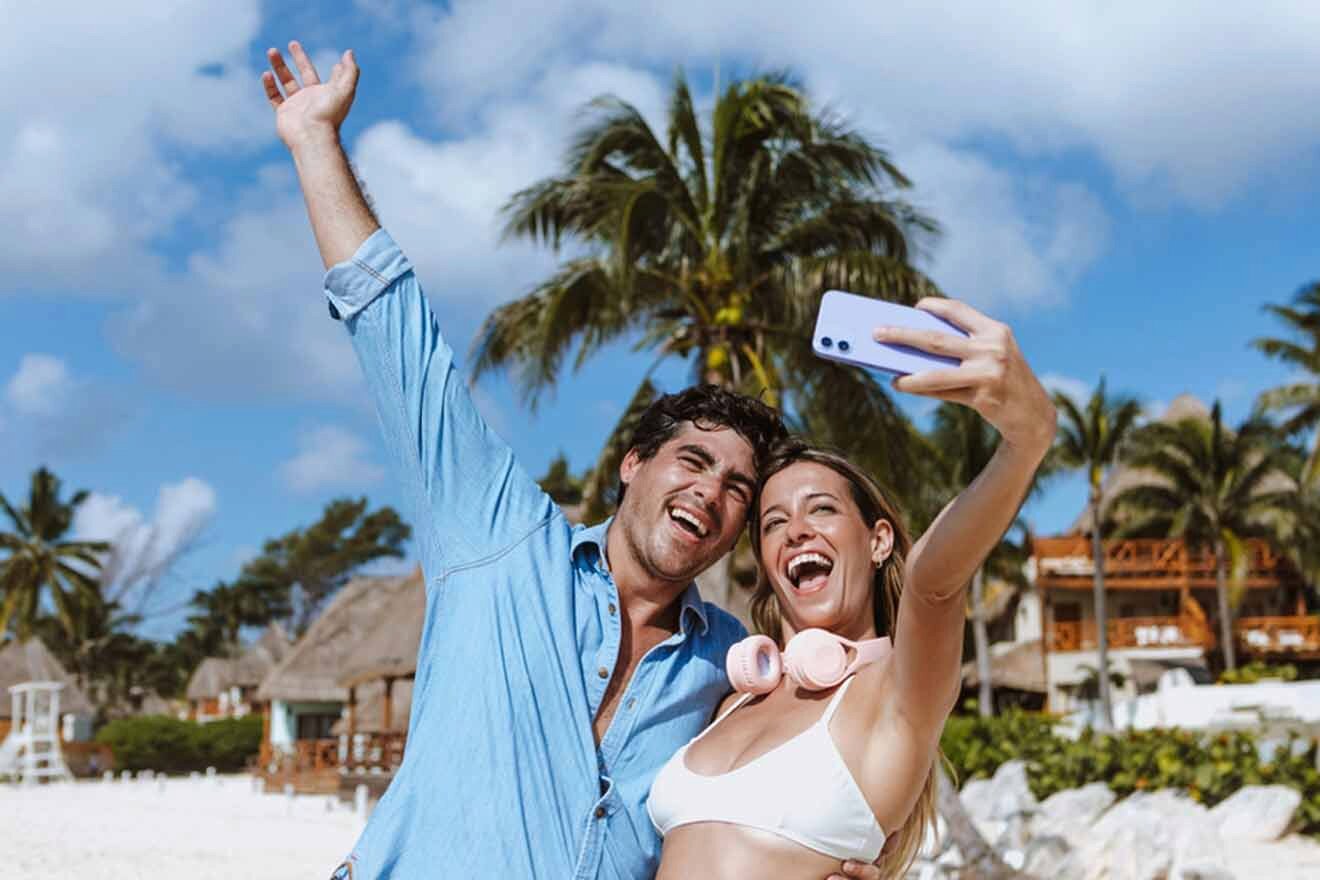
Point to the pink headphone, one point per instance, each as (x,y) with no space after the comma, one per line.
(815,659)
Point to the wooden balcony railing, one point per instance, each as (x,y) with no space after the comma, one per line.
(1133,632)
(1067,561)
(377,749)
(316,754)
(1278,635)
(1255,635)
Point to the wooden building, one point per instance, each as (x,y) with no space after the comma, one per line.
(304,696)
(1161,601)
(226,687)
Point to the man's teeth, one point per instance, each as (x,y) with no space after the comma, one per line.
(680,513)
(798,561)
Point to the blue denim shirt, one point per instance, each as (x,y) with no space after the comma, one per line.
(502,776)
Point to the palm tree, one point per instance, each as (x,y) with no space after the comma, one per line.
(1300,398)
(1213,488)
(1091,439)
(100,652)
(713,247)
(964,443)
(39,560)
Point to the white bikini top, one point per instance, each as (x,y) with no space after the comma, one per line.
(800,790)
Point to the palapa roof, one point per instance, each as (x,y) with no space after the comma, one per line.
(390,650)
(1014,665)
(311,671)
(248,668)
(21,662)
(1121,477)
(370,710)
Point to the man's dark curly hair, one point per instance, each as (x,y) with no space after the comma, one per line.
(708,407)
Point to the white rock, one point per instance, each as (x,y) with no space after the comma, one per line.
(1257,812)
(1069,814)
(1140,837)
(1006,796)
(1045,855)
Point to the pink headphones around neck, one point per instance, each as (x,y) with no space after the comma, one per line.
(815,659)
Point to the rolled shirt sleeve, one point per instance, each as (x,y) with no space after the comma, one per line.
(469,497)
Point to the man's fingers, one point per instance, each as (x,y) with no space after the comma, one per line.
(282,72)
(932,341)
(306,70)
(272,91)
(959,313)
(349,70)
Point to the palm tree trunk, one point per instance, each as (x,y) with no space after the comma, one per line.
(1225,615)
(1105,722)
(981,639)
(980,861)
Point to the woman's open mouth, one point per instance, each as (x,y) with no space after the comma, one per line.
(809,572)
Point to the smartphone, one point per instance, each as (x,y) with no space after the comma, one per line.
(845,323)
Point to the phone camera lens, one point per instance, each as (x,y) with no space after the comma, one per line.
(843,345)
(826,342)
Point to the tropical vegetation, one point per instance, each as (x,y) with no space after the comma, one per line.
(1090,438)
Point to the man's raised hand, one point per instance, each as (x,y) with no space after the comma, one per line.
(311,108)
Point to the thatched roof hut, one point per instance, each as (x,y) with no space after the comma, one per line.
(390,649)
(312,670)
(32,661)
(1013,665)
(247,669)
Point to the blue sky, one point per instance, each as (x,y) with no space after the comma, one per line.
(1125,194)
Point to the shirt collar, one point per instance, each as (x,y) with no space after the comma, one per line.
(691,605)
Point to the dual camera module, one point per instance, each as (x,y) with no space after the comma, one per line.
(827,342)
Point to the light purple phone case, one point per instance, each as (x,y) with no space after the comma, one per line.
(843,333)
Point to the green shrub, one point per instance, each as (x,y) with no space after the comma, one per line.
(1208,768)
(1257,670)
(168,745)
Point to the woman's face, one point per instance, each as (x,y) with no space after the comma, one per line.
(819,554)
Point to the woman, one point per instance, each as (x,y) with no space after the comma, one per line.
(806,769)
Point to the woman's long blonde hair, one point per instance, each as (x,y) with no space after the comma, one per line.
(901,846)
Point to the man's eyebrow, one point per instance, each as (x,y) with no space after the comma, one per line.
(700,452)
(704,454)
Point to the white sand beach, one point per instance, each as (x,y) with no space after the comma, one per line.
(200,830)
(222,829)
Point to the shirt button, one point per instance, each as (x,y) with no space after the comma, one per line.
(600,812)
(603,672)
(612,608)
(632,701)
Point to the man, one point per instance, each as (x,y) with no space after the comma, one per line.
(559,667)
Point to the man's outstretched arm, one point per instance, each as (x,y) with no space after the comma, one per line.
(464,492)
(307,118)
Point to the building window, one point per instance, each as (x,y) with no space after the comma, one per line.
(316,726)
(1067,612)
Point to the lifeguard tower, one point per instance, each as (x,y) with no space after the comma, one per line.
(31,752)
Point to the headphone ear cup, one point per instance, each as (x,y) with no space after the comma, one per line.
(753,665)
(815,659)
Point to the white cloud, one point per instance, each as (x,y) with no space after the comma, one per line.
(1007,239)
(329,457)
(144,550)
(41,387)
(248,317)
(86,182)
(1199,116)
(57,413)
(1079,390)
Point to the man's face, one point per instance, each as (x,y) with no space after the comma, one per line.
(686,505)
